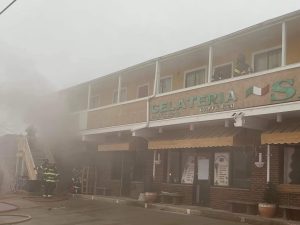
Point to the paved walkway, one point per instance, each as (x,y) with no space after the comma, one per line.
(91,212)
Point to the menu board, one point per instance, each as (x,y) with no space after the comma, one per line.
(221,169)
(188,170)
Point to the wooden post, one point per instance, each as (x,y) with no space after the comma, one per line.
(210,62)
(283,44)
(122,171)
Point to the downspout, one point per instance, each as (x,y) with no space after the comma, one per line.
(156,85)
(268,163)
(155,88)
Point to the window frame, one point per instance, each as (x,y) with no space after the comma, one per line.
(231,169)
(264,51)
(140,86)
(179,163)
(193,70)
(163,78)
(99,101)
(220,65)
(284,176)
(116,91)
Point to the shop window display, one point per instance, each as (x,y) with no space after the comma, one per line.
(291,165)
(233,168)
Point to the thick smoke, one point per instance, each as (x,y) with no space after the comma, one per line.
(21,85)
(28,99)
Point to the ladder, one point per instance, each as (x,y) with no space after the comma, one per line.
(88,179)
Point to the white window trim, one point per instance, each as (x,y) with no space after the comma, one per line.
(142,85)
(116,91)
(263,51)
(224,64)
(192,70)
(163,78)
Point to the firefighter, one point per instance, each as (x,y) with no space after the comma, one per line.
(50,179)
(241,67)
(40,168)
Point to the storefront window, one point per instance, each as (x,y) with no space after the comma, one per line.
(292,165)
(241,168)
(188,168)
(179,167)
(116,167)
(233,169)
(139,166)
(174,167)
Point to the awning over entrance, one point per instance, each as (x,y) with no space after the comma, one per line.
(282,133)
(205,137)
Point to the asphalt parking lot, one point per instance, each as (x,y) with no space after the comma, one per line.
(89,212)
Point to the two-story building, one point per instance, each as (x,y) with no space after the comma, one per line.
(214,122)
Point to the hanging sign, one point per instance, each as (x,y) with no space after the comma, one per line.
(221,169)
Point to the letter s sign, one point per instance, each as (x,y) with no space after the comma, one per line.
(283,90)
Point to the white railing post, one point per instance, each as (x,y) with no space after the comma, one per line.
(89,97)
(119,88)
(210,62)
(283,44)
(156,78)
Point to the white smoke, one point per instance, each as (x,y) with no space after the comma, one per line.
(20,87)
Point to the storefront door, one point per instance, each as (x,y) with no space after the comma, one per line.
(126,174)
(202,182)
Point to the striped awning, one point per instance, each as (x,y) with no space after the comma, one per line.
(205,137)
(282,133)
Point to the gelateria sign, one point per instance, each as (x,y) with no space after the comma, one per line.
(228,98)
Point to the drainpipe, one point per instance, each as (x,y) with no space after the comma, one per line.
(268,163)
(155,91)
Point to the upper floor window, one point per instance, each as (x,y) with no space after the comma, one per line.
(94,101)
(222,72)
(195,77)
(165,84)
(143,91)
(123,95)
(267,59)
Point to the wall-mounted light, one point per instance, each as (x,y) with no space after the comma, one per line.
(259,163)
(239,119)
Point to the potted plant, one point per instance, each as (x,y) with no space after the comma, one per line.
(268,207)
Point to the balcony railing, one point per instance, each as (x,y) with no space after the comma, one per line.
(116,115)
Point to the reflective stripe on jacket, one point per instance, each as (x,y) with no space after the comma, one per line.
(50,175)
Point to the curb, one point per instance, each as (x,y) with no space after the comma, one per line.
(199,211)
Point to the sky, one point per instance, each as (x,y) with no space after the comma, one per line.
(65,42)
